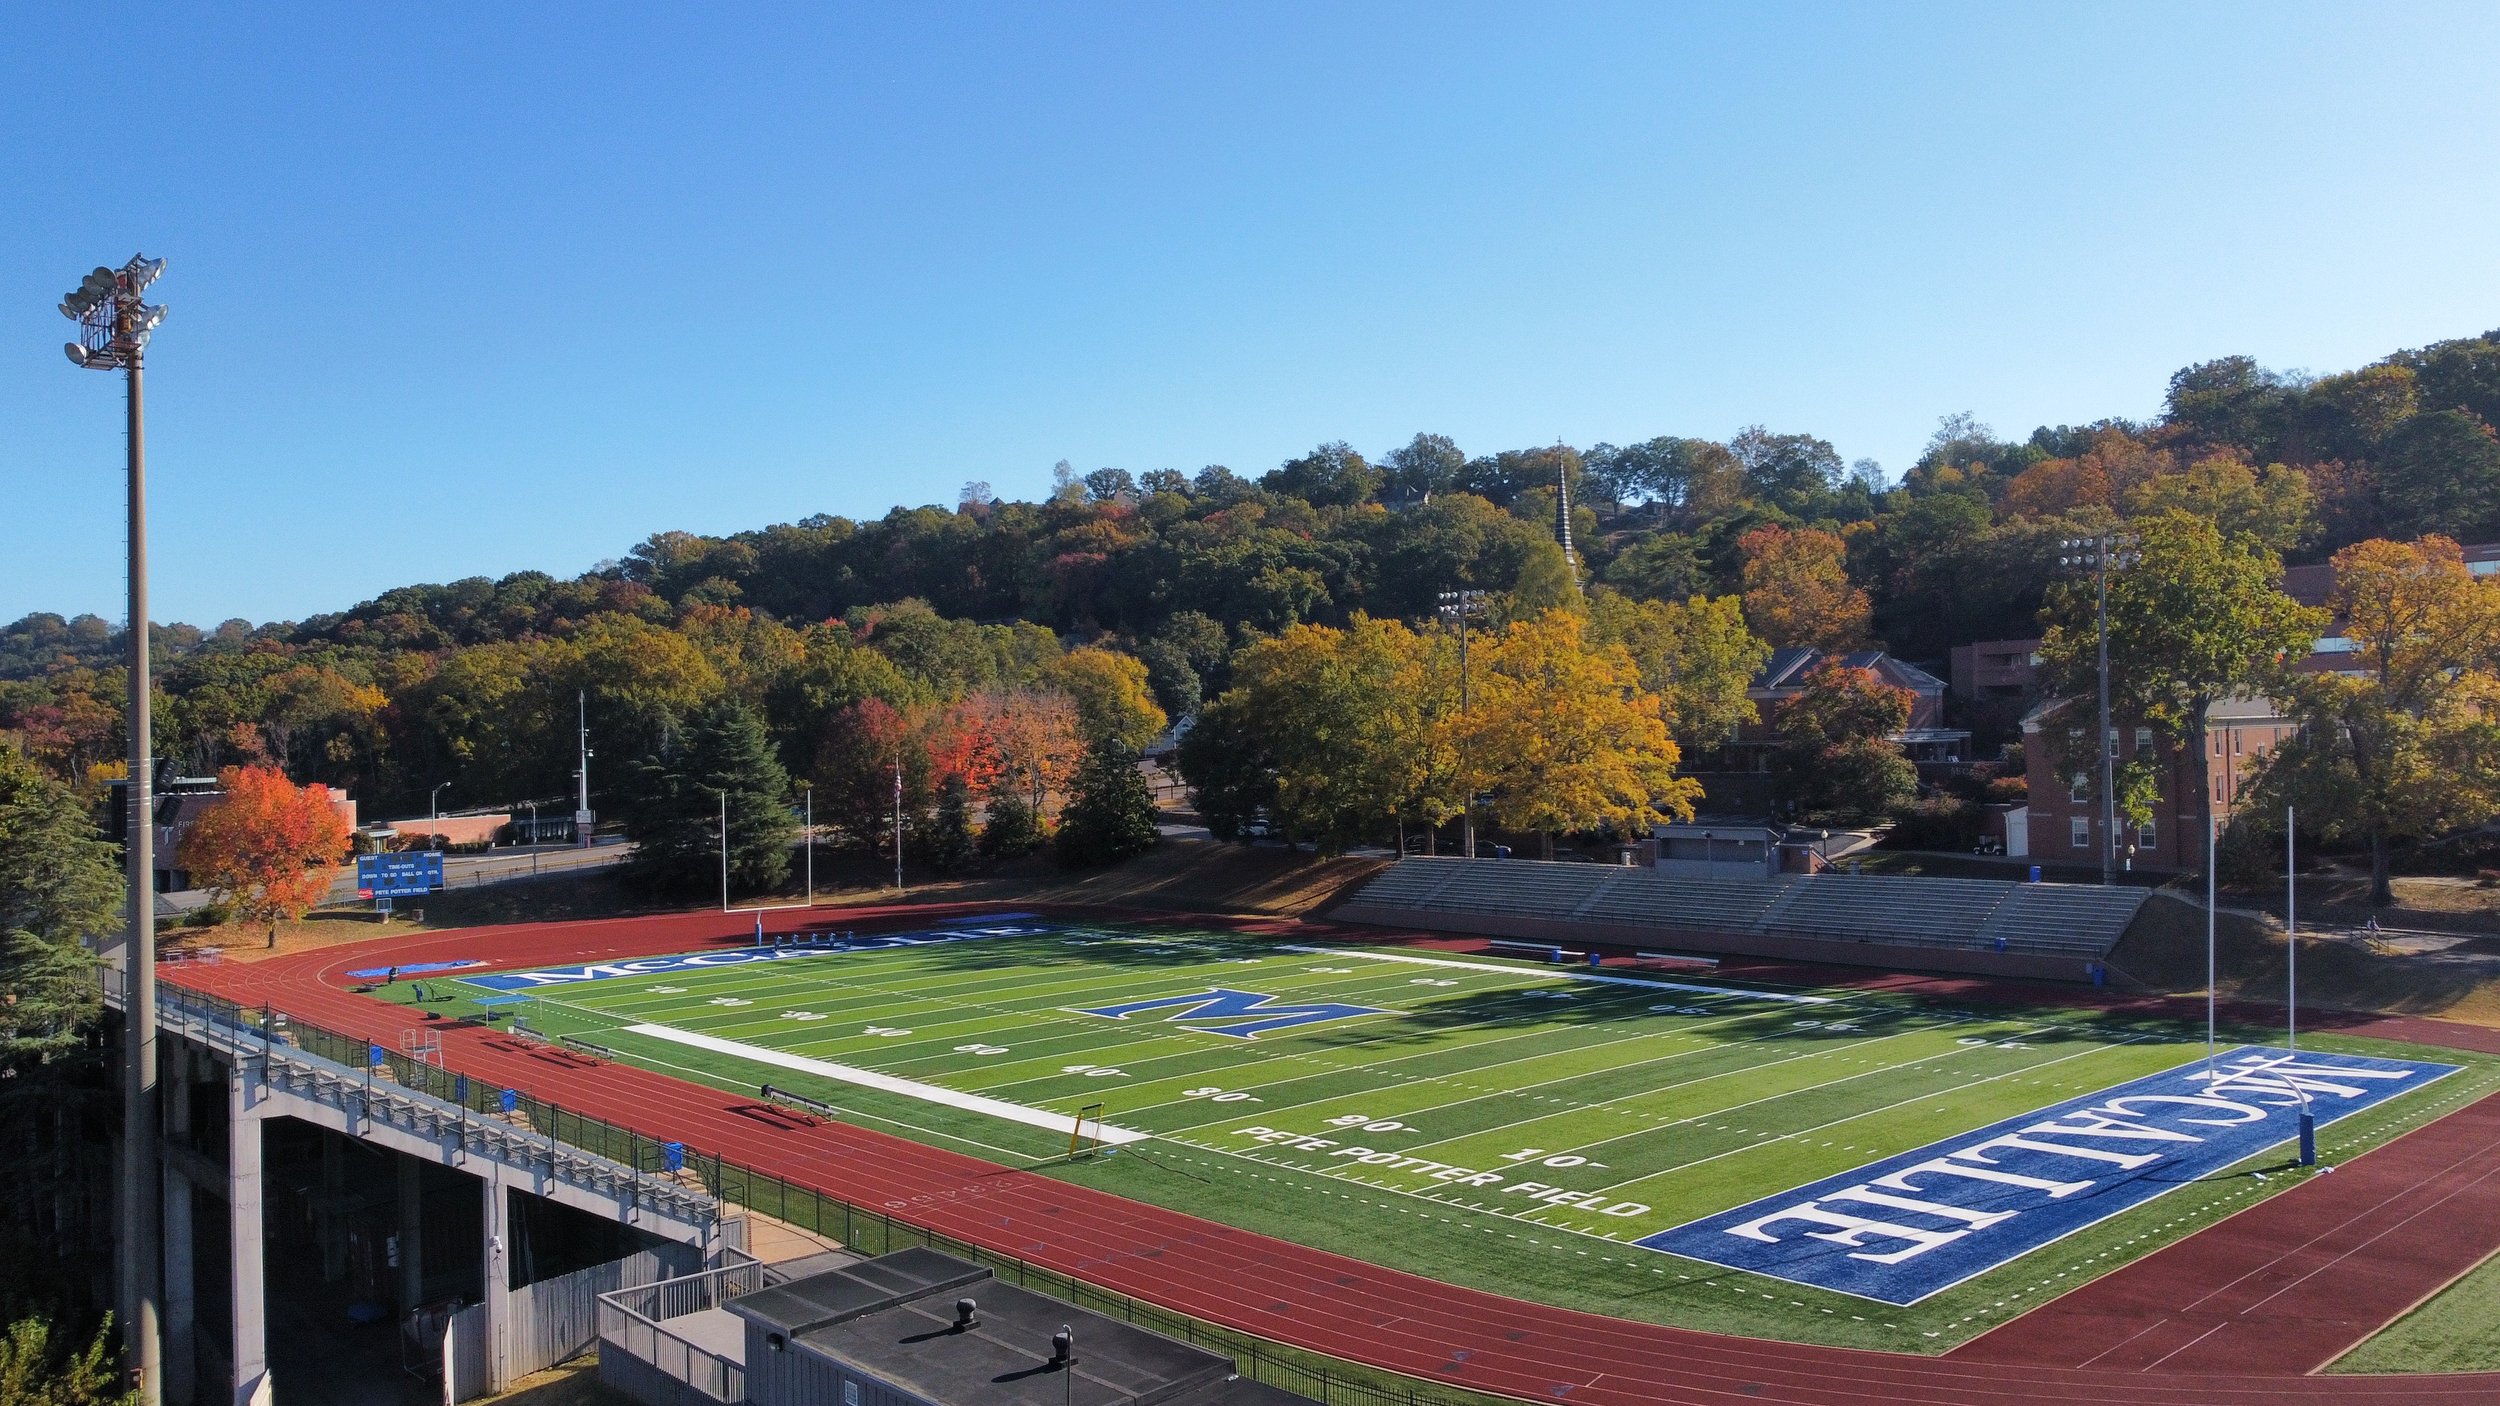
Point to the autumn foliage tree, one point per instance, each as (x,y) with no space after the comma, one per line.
(1564,736)
(266,848)
(2407,741)
(1797,590)
(1836,752)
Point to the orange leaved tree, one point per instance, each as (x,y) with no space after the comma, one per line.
(267,847)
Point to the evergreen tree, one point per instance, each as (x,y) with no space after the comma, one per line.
(1111,815)
(1009,828)
(950,833)
(721,755)
(59,885)
(35,1370)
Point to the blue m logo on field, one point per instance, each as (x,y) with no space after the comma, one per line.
(1247,1013)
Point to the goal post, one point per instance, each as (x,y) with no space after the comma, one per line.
(1081,1143)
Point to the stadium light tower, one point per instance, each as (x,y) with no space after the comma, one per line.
(113,331)
(2109,549)
(1459,606)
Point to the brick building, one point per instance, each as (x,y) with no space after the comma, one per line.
(2064,820)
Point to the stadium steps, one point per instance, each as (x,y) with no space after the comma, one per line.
(1859,908)
(1716,905)
(1969,915)
(2078,919)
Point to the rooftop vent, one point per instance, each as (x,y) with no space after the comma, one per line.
(967,1314)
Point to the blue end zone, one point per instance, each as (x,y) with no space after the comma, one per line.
(804,946)
(1899,1230)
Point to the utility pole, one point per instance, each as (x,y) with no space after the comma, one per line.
(114,327)
(898,824)
(582,818)
(1459,605)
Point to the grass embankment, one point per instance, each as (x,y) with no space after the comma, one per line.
(2457,1330)
(1178,876)
(2165,950)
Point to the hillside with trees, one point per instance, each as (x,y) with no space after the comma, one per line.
(981,650)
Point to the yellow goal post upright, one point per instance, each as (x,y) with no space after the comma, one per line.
(1080,1142)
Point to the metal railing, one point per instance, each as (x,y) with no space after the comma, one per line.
(633,1322)
(414,1097)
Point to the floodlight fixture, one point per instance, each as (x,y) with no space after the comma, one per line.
(114,325)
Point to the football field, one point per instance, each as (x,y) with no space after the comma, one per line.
(1778,1161)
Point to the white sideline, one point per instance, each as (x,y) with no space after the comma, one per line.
(1572,974)
(885,1083)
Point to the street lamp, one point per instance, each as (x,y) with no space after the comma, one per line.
(113,331)
(2108,549)
(434,812)
(1460,606)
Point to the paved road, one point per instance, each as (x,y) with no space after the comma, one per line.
(460,870)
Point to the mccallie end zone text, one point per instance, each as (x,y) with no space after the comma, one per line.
(1899,1230)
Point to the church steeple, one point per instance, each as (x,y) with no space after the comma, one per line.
(1562,508)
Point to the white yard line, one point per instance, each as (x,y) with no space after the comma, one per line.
(1566,974)
(883,1083)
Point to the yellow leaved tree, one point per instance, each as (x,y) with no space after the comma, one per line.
(1565,738)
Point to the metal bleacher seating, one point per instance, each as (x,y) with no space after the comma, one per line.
(2063,920)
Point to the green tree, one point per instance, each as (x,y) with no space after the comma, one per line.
(950,844)
(2274,506)
(1353,724)
(1695,654)
(1332,475)
(721,761)
(2195,619)
(60,887)
(1663,566)
(1007,824)
(36,1372)
(1547,581)
(1225,759)
(1111,816)
(2441,473)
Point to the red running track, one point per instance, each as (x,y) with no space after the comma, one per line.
(1289,1293)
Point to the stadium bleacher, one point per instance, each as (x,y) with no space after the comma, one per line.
(2072,921)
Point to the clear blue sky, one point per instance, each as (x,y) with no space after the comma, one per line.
(456,292)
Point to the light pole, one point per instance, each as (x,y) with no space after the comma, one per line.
(2101,553)
(583,820)
(434,811)
(1459,605)
(113,331)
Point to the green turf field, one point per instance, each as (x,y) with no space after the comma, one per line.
(1505,1124)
